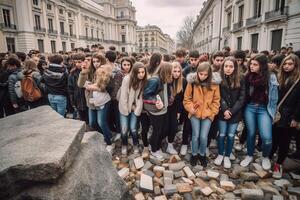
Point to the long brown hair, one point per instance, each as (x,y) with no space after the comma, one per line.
(234,78)
(135,82)
(205,66)
(165,71)
(29,66)
(283,77)
(177,85)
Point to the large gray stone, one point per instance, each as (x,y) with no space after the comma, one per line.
(91,176)
(36,146)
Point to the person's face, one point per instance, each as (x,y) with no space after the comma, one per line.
(141,73)
(89,59)
(36,59)
(126,66)
(11,67)
(78,63)
(176,72)
(239,61)
(203,75)
(271,66)
(180,59)
(194,61)
(288,65)
(283,51)
(228,67)
(218,61)
(96,63)
(254,66)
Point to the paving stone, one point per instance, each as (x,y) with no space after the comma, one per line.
(169,174)
(229,196)
(176,166)
(146,183)
(249,176)
(186,180)
(147,166)
(189,172)
(183,187)
(295,176)
(162,197)
(277,197)
(197,168)
(158,169)
(269,190)
(206,191)
(155,160)
(174,159)
(227,185)
(250,194)
(294,190)
(168,181)
(224,177)
(170,189)
(262,173)
(200,183)
(157,190)
(139,162)
(139,196)
(178,174)
(123,173)
(158,181)
(187,196)
(250,185)
(149,173)
(255,167)
(212,174)
(197,190)
(282,183)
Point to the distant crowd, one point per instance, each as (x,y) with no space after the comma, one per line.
(213,96)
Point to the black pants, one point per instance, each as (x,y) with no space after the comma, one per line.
(83,115)
(187,130)
(281,142)
(145,123)
(159,124)
(114,116)
(6,110)
(172,124)
(213,132)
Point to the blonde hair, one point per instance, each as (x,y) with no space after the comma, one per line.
(102,78)
(283,77)
(177,83)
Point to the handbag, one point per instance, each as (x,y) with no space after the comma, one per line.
(277,116)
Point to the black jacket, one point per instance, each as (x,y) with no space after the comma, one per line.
(232,100)
(12,79)
(188,70)
(56,80)
(4,97)
(290,109)
(77,94)
(178,99)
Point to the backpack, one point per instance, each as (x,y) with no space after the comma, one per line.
(18,89)
(30,90)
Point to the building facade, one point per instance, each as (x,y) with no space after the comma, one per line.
(251,24)
(151,39)
(62,25)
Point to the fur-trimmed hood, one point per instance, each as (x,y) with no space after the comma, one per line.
(216,78)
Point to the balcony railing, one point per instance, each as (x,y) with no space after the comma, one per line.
(226,29)
(275,15)
(64,34)
(8,26)
(39,29)
(124,17)
(72,36)
(253,21)
(52,32)
(237,26)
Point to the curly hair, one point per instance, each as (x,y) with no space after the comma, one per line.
(102,78)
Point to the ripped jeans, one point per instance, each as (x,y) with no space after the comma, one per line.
(226,130)
(129,122)
(257,118)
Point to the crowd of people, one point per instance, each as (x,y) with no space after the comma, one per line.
(211,95)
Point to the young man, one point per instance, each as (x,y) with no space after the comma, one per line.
(217,61)
(180,57)
(194,61)
(77,96)
(56,81)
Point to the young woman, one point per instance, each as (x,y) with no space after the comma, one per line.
(175,107)
(155,98)
(289,73)
(261,101)
(232,90)
(202,101)
(131,104)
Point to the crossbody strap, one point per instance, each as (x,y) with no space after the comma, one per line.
(286,95)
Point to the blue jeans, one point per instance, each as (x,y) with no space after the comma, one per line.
(257,117)
(200,129)
(58,103)
(100,116)
(227,130)
(126,122)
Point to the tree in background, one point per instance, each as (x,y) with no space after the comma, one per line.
(185,33)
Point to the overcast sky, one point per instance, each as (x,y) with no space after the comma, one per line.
(167,14)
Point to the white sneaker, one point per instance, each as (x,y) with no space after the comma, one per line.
(183,150)
(266,164)
(218,161)
(227,162)
(246,161)
(110,148)
(171,150)
(207,152)
(232,157)
(157,154)
(124,150)
(239,147)
(117,137)
(136,150)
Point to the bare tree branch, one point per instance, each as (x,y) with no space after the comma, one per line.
(185,34)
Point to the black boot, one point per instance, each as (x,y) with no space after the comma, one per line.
(193,160)
(203,160)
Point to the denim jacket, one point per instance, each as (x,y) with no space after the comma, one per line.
(152,88)
(273,95)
